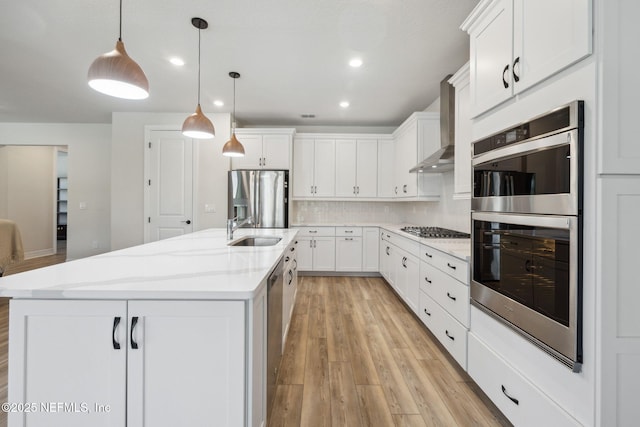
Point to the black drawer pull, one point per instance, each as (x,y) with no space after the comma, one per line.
(513,399)
(116,344)
(134,322)
(286,259)
(450,337)
(504,81)
(451,266)
(516,78)
(428,255)
(449,295)
(426,312)
(427,280)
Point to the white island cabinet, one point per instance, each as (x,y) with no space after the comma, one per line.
(169,333)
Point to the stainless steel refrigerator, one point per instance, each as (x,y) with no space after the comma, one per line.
(260,194)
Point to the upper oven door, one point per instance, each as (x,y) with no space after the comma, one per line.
(534,176)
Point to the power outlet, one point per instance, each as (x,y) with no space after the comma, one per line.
(209,208)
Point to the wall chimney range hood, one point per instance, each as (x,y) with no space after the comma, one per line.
(442,160)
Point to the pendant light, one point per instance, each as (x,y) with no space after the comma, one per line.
(116,74)
(233,147)
(198,125)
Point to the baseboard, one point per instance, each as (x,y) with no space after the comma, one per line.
(340,273)
(39,253)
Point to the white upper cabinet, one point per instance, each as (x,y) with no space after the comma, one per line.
(386,168)
(516,44)
(462,159)
(356,168)
(415,139)
(314,168)
(264,149)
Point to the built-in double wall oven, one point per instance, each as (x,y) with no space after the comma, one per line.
(527,230)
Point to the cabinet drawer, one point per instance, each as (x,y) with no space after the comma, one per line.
(402,242)
(520,401)
(349,231)
(451,294)
(317,231)
(451,334)
(449,264)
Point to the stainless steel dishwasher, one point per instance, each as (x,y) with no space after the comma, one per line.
(274,331)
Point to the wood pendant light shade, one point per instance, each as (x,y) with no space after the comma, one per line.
(233,147)
(198,126)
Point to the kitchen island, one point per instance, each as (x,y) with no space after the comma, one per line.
(163,334)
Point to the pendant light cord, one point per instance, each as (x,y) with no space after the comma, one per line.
(234,105)
(199,30)
(120,32)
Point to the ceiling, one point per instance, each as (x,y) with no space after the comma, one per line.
(292,56)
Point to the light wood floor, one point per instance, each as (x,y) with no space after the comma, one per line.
(356,356)
(26,265)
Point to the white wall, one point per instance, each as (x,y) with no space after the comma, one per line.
(127,174)
(29,195)
(89,175)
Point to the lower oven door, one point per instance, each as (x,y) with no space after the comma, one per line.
(526,272)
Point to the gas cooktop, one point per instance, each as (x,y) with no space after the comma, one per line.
(435,233)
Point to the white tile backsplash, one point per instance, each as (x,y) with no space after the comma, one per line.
(446,213)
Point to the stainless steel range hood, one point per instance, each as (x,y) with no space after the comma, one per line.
(442,160)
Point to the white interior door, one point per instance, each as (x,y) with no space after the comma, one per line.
(170,185)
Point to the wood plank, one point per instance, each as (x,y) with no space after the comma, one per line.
(408,421)
(421,342)
(431,404)
(391,333)
(364,370)
(345,410)
(317,316)
(302,298)
(373,406)
(459,403)
(287,406)
(295,351)
(399,398)
(316,399)
(337,338)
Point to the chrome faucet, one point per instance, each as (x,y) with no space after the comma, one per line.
(233,225)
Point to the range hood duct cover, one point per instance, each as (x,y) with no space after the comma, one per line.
(442,160)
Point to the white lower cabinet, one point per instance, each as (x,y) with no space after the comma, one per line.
(451,334)
(317,253)
(134,363)
(289,288)
(408,279)
(370,251)
(518,399)
(349,254)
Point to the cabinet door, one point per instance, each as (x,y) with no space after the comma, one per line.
(367,169)
(462,159)
(304,255)
(386,168)
(548,36)
(189,364)
(252,152)
(324,254)
(491,42)
(370,251)
(346,154)
(325,168)
(349,254)
(66,351)
(412,277)
(303,161)
(276,152)
(406,158)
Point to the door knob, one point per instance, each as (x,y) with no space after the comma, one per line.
(187,221)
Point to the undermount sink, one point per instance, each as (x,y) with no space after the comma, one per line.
(256,241)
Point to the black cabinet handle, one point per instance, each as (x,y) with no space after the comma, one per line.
(293,248)
(134,322)
(116,344)
(287,259)
(295,264)
(387,250)
(449,295)
(290,277)
(426,312)
(426,279)
(504,82)
(450,337)
(513,399)
(527,266)
(516,78)
(404,261)
(451,266)
(428,255)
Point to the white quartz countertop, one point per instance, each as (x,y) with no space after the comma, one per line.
(459,248)
(199,265)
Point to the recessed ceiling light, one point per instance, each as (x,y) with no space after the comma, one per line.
(355,62)
(344,104)
(218,103)
(308,116)
(176,61)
